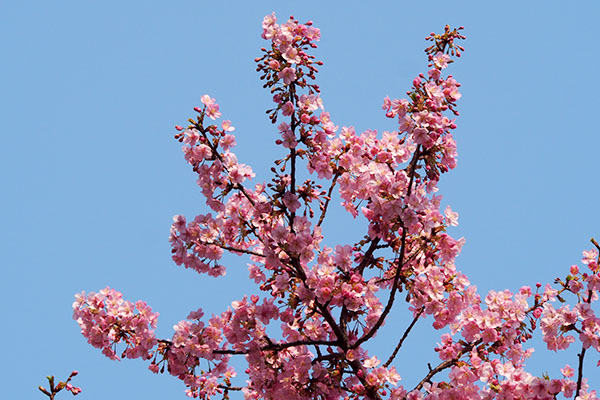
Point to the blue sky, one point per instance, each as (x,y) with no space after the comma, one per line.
(92,177)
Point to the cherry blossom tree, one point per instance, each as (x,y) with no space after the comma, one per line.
(304,333)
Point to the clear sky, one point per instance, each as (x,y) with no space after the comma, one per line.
(91,176)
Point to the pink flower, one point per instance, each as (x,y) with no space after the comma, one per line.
(451,217)
(212,108)
(226,126)
(291,201)
(441,60)
(274,65)
(567,371)
(288,108)
(589,256)
(291,55)
(371,362)
(288,74)
(289,140)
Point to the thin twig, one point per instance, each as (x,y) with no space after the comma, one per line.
(293,154)
(414,321)
(367,257)
(230,387)
(270,346)
(580,371)
(233,249)
(324,211)
(595,243)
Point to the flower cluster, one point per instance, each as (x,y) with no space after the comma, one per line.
(560,325)
(106,319)
(329,301)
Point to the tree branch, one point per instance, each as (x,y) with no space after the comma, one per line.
(293,152)
(367,257)
(233,249)
(595,244)
(324,211)
(412,324)
(580,371)
(230,387)
(270,346)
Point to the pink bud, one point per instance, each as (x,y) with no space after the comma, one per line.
(274,64)
(574,269)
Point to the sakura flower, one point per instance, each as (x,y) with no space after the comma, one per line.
(288,74)
(291,201)
(451,217)
(441,60)
(288,108)
(589,256)
(212,108)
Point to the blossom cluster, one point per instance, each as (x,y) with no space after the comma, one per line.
(106,319)
(328,301)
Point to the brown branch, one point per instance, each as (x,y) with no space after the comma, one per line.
(580,371)
(293,153)
(230,387)
(324,211)
(368,255)
(595,244)
(432,372)
(233,249)
(412,324)
(270,346)
(331,356)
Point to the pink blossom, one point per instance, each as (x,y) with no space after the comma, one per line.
(287,109)
(441,60)
(589,256)
(226,126)
(451,216)
(212,108)
(567,371)
(288,74)
(291,201)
